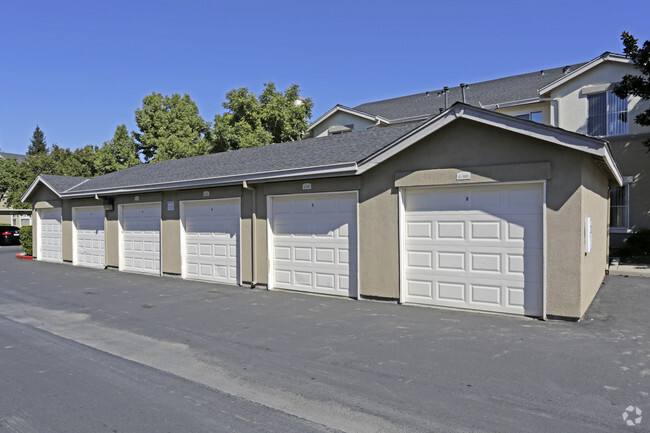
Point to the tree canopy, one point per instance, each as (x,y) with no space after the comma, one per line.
(637,85)
(119,152)
(248,122)
(170,127)
(38,144)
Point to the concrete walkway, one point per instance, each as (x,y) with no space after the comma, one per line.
(616,268)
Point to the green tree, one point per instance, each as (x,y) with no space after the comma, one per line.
(285,114)
(241,126)
(170,127)
(8,170)
(119,152)
(38,144)
(637,85)
(59,161)
(273,118)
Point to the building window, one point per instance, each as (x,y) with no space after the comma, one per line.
(619,206)
(535,116)
(607,114)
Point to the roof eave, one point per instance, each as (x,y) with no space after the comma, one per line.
(343,169)
(547,133)
(611,57)
(32,187)
(348,110)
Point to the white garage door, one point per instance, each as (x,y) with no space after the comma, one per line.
(49,235)
(314,243)
(141,238)
(211,240)
(89,237)
(474,247)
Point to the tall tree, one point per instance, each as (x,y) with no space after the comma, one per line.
(119,152)
(241,126)
(637,85)
(285,114)
(273,118)
(170,127)
(38,144)
(8,170)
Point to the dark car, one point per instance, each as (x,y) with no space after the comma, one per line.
(9,235)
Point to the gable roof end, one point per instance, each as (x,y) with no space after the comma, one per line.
(57,184)
(599,149)
(605,57)
(348,110)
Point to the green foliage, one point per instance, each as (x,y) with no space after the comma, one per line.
(285,115)
(59,161)
(26,240)
(273,118)
(637,85)
(38,144)
(119,152)
(170,127)
(8,170)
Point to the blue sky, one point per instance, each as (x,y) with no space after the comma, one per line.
(80,68)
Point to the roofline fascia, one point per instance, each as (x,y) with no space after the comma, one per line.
(584,68)
(411,119)
(39,179)
(328,170)
(516,103)
(348,110)
(583,143)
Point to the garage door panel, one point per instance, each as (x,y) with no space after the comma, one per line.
(90,238)
(141,238)
(475,247)
(314,243)
(211,240)
(50,236)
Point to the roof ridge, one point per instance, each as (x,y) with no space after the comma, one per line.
(469,84)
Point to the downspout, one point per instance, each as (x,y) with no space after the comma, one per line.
(253,234)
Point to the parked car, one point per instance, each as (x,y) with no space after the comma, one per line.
(9,235)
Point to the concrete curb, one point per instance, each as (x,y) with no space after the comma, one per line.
(628,270)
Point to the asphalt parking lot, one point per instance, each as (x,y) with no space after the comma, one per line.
(344,365)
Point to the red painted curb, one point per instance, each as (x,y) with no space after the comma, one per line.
(24,256)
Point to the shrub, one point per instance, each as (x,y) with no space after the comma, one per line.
(26,239)
(637,246)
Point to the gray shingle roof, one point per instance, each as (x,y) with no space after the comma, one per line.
(349,147)
(62,183)
(499,91)
(18,156)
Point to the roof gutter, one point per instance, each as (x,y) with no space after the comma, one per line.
(342,169)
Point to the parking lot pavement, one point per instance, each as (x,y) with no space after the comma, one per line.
(356,365)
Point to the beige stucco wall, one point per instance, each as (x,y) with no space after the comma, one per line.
(572,103)
(544,107)
(595,205)
(341,118)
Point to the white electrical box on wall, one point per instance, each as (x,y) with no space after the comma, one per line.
(587,235)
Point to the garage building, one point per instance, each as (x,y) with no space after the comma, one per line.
(470,209)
